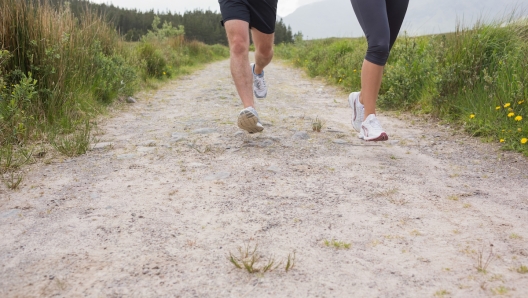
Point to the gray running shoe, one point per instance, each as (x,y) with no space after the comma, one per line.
(259,84)
(248,120)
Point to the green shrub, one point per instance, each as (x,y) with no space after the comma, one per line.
(475,77)
(409,75)
(153,59)
(57,72)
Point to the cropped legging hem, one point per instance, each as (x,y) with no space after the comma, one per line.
(381,21)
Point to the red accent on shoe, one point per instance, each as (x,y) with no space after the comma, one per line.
(382,137)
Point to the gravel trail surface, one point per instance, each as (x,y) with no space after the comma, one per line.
(173,187)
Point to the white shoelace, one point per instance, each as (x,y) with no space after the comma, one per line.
(261,83)
(375,124)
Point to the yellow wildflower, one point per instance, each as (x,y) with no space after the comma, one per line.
(518,118)
(507,105)
(497,108)
(524,140)
(521,102)
(471,116)
(519,129)
(164,73)
(355,70)
(502,140)
(511,114)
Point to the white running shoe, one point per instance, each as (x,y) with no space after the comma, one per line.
(358,111)
(259,84)
(248,120)
(371,130)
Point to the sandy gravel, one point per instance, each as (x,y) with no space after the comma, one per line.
(174,186)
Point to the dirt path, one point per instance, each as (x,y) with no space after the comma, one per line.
(156,208)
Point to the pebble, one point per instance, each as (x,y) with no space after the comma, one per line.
(10,213)
(273,169)
(146,149)
(196,165)
(100,146)
(126,156)
(340,141)
(265,143)
(204,131)
(301,135)
(217,176)
(394,142)
(131,100)
(176,137)
(239,134)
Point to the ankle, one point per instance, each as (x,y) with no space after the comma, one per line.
(257,73)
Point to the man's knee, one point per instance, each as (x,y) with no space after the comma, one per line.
(378,53)
(266,51)
(239,46)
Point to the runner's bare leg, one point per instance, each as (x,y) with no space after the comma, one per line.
(263,49)
(238,37)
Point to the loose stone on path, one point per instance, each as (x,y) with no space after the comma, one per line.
(204,131)
(176,137)
(301,135)
(217,176)
(100,146)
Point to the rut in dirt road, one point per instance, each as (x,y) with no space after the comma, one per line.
(174,187)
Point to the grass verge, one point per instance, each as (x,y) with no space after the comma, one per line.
(474,77)
(59,72)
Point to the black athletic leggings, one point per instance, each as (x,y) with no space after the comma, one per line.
(381,21)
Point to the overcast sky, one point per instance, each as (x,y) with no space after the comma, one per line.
(285,6)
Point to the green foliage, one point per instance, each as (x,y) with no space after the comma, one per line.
(404,75)
(15,110)
(154,60)
(57,72)
(474,77)
(166,31)
(200,25)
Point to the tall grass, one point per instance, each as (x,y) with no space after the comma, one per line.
(475,76)
(58,72)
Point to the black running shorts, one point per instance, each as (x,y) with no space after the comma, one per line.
(260,14)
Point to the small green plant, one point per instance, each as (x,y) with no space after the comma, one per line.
(484,262)
(337,244)
(453,198)
(501,290)
(13,180)
(74,144)
(442,293)
(416,233)
(317,124)
(12,158)
(515,236)
(387,193)
(251,260)
(522,269)
(290,263)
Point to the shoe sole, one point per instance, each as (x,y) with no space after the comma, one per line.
(248,122)
(382,137)
(352,103)
(260,97)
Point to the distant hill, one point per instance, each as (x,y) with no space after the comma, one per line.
(336,18)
